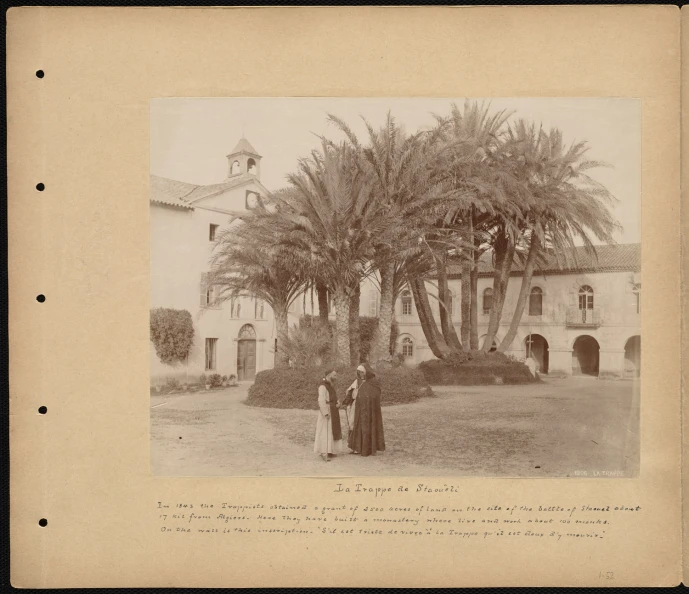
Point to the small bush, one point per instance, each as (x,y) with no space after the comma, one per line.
(172,383)
(203,380)
(475,368)
(215,380)
(298,388)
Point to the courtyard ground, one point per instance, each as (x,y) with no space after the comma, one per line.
(562,427)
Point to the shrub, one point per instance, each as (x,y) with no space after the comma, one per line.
(203,380)
(172,383)
(297,388)
(310,343)
(215,380)
(172,334)
(475,368)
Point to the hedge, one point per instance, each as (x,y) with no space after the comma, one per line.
(298,388)
(475,369)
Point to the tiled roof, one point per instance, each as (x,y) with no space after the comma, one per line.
(170,192)
(200,192)
(608,258)
(244,146)
(184,195)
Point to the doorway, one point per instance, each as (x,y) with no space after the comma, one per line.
(537,347)
(585,356)
(632,357)
(246,353)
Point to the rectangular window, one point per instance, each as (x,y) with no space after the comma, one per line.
(259,309)
(211,347)
(212,231)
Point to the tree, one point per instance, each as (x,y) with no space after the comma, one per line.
(470,163)
(250,259)
(172,334)
(330,216)
(405,189)
(566,203)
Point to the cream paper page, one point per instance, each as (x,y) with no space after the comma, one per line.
(685,276)
(83,243)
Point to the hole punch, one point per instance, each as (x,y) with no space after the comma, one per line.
(40,187)
(43,410)
(42,522)
(40,298)
(40,73)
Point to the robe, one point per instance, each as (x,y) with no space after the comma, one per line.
(367,436)
(350,402)
(328,431)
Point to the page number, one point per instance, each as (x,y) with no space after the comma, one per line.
(606,575)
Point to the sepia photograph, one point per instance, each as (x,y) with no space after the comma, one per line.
(444,287)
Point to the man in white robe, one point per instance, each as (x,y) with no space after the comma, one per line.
(328,440)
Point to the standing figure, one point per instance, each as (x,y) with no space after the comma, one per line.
(328,439)
(349,401)
(366,437)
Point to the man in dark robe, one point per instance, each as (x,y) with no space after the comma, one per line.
(366,437)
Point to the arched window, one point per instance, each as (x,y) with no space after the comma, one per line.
(251,166)
(407,347)
(247,332)
(536,302)
(406,303)
(487,300)
(236,168)
(636,289)
(585,297)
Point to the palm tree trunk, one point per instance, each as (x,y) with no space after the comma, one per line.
(446,325)
(380,345)
(282,330)
(473,336)
(473,279)
(523,293)
(342,302)
(466,304)
(435,340)
(503,259)
(322,302)
(354,338)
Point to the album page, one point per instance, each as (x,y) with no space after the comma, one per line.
(344,296)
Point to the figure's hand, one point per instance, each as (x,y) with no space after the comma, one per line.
(327,416)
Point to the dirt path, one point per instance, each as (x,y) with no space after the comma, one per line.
(214,434)
(558,428)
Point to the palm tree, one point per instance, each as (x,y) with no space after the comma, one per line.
(567,203)
(472,167)
(248,258)
(407,191)
(330,218)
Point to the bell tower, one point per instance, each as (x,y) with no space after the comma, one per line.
(244,159)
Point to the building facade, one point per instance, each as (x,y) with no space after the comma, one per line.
(234,337)
(580,320)
(583,319)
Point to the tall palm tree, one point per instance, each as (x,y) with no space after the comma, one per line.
(331,217)
(567,203)
(407,191)
(471,164)
(249,259)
